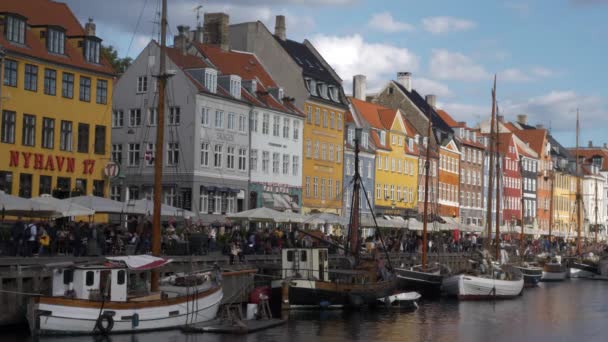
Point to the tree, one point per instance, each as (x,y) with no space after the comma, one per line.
(120,65)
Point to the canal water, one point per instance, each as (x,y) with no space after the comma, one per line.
(575,310)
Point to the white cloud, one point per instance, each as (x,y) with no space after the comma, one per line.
(351,55)
(543,72)
(425,86)
(385,22)
(448,65)
(439,25)
(557,109)
(470,113)
(514,75)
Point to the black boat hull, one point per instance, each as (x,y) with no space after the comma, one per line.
(532,275)
(427,284)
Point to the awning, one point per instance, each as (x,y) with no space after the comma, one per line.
(141,262)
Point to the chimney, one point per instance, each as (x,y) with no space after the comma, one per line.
(522,119)
(89,28)
(280,30)
(215,31)
(359,87)
(198,34)
(431,100)
(405,79)
(590,143)
(181,40)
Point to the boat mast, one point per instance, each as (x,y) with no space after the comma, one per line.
(160,136)
(354,214)
(498,178)
(597,227)
(427,169)
(491,167)
(578,191)
(551,206)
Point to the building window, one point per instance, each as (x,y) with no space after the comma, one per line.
(8,126)
(323,151)
(6,182)
(25,185)
(100,139)
(65,140)
(211,80)
(217,156)
(275,162)
(149,154)
(332,120)
(340,124)
(296,130)
(265,123)
(338,190)
(172,153)
(265,161)
(204,200)
(295,165)
(67,85)
(331,152)
(230,157)
(338,154)
(309,115)
(44,186)
(308,148)
(205,154)
(102,92)
(322,188)
(98,188)
(135,117)
(242,159)
(50,81)
(285,164)
(254,122)
(85,89)
(48,132)
(118,118)
(231,121)
(10,73)
(219,119)
(142,84)
(15,29)
(276,123)
(174,115)
(317,116)
(117,153)
(91,52)
(315,187)
(29,130)
(134,154)
(152,117)
(83,138)
(253,159)
(286,128)
(205,117)
(316,152)
(307,186)
(242,123)
(55,41)
(31,77)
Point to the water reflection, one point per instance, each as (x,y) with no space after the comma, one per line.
(575,310)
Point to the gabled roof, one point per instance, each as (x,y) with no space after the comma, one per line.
(534,137)
(308,61)
(185,61)
(370,112)
(424,107)
(376,139)
(447,118)
(589,152)
(43,13)
(504,141)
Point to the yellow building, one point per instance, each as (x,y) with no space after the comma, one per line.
(396,179)
(564,198)
(323,158)
(56,102)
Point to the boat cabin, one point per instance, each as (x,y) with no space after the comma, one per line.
(90,282)
(307,263)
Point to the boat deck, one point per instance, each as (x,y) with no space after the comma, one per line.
(243,327)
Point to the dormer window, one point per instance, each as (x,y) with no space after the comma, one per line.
(211,80)
(55,41)
(15,29)
(312,85)
(410,144)
(235,87)
(91,49)
(333,94)
(322,90)
(383,138)
(597,161)
(364,139)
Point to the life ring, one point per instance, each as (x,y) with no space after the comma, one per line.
(105,323)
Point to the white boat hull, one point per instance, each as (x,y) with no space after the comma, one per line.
(74,318)
(553,276)
(467,287)
(578,273)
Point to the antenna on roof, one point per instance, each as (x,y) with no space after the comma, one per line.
(197,9)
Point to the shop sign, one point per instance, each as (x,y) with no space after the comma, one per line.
(48,162)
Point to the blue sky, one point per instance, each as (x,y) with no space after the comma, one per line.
(549,55)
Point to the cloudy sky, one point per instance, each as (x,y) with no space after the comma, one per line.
(549,55)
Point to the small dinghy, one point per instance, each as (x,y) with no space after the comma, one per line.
(402,300)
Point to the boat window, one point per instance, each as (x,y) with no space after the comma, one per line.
(121,278)
(90,277)
(68,276)
(303,255)
(290,256)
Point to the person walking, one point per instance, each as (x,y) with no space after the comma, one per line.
(30,235)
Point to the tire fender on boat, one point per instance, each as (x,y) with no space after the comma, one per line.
(105,323)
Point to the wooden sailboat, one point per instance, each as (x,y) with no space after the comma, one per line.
(309,283)
(421,278)
(493,281)
(99,299)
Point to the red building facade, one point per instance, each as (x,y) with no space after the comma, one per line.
(510,179)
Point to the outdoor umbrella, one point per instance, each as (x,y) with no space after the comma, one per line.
(145,207)
(99,204)
(18,206)
(258,214)
(291,217)
(326,218)
(63,208)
